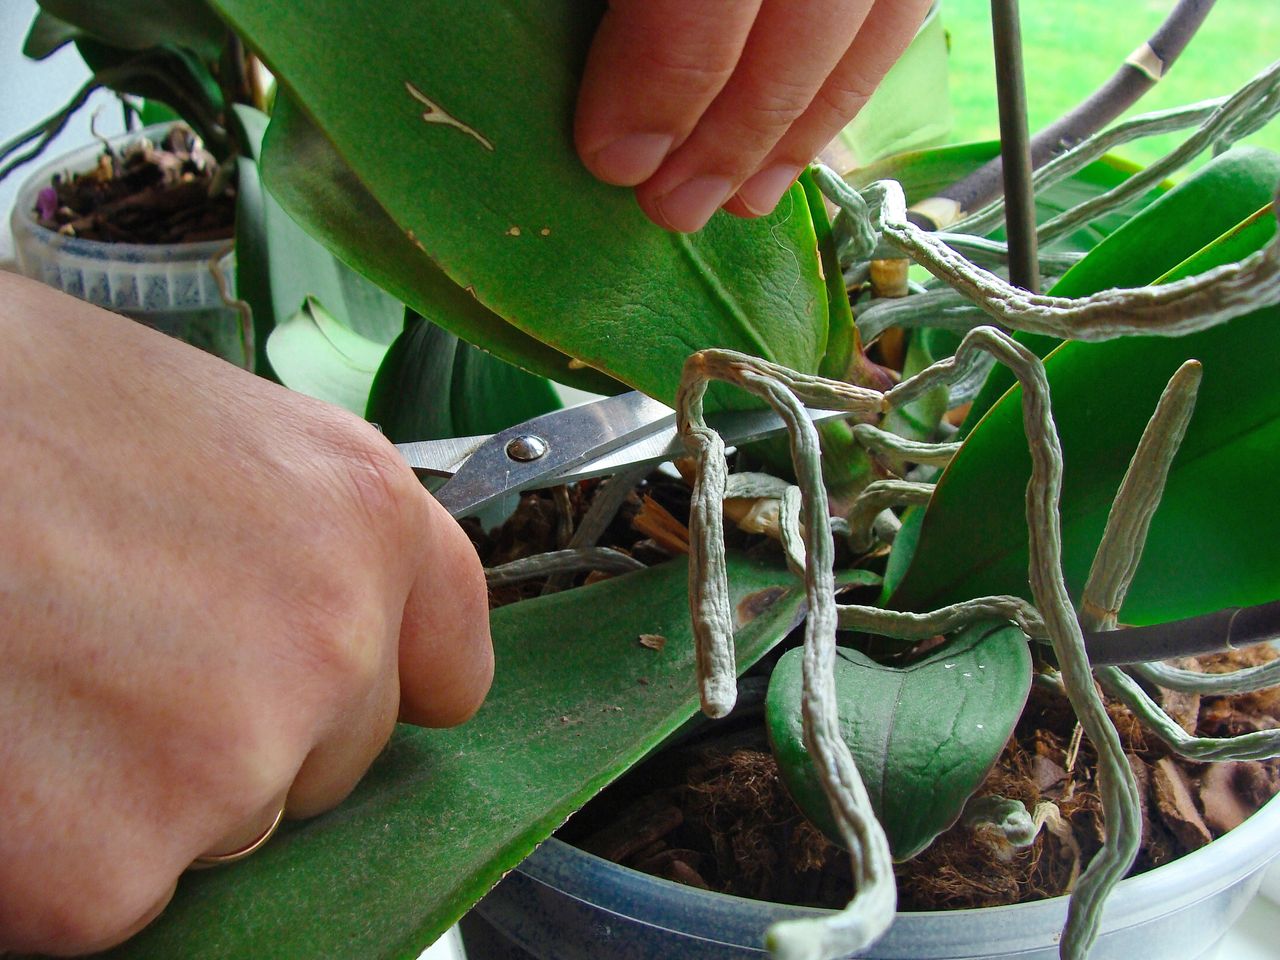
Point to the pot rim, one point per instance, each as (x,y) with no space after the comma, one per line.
(1197,876)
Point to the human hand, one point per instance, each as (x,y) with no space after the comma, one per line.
(705,103)
(215,597)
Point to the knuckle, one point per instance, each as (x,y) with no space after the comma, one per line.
(382,486)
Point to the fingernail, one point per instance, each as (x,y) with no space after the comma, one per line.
(632,159)
(689,206)
(762,192)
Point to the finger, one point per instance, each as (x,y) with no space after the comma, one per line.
(885,34)
(653,68)
(789,54)
(446,655)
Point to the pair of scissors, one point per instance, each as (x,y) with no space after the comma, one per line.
(590,440)
(605,436)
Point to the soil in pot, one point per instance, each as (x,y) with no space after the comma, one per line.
(171,191)
(714,813)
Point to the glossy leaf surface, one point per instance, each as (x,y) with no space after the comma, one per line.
(303,171)
(443,814)
(489,184)
(1212,542)
(1209,203)
(924,736)
(433,385)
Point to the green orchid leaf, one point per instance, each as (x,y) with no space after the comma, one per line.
(46,35)
(304,173)
(576,700)
(140,24)
(170,75)
(460,129)
(314,353)
(911,109)
(433,385)
(279,265)
(924,173)
(1212,542)
(924,736)
(1210,202)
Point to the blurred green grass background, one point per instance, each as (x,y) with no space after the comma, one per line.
(1072,46)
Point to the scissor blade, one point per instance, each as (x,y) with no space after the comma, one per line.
(735,427)
(528,454)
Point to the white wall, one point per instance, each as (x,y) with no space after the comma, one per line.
(30,91)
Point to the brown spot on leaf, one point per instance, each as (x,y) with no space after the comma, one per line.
(654,641)
(754,604)
(513,231)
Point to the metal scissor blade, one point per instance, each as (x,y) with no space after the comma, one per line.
(529,453)
(591,440)
(736,427)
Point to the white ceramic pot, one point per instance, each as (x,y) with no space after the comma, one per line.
(563,904)
(170,287)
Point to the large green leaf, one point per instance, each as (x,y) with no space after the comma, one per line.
(460,128)
(1172,228)
(911,109)
(433,385)
(924,736)
(576,700)
(304,172)
(1212,542)
(140,24)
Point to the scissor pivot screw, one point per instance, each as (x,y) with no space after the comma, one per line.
(526,448)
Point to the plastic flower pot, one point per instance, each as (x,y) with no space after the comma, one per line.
(563,904)
(170,287)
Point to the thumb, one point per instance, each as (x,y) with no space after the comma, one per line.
(446,655)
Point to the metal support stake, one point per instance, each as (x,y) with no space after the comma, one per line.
(1015,146)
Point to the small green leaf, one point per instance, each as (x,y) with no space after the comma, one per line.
(315,354)
(924,736)
(280,265)
(443,814)
(433,385)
